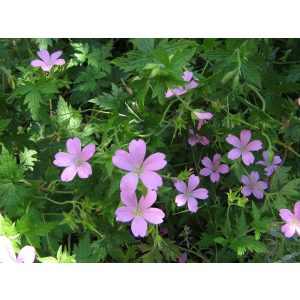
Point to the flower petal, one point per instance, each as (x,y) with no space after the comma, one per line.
(193,84)
(46,68)
(215,177)
(254,175)
(245,180)
(74,146)
(55,55)
(137,150)
(124,214)
(297,209)
(7,253)
(233,140)
(37,63)
(223,169)
(169,93)
(85,170)
(247,158)
(263,185)
(154,215)
(129,183)
(148,200)
(200,193)
(234,154)
(286,215)
(245,137)
(181,199)
(154,162)
(207,162)
(60,62)
(180,186)
(129,200)
(288,230)
(63,159)
(123,160)
(216,159)
(193,182)
(257,193)
(139,227)
(68,173)
(187,76)
(88,151)
(26,255)
(246,191)
(44,55)
(203,140)
(205,172)
(192,204)
(254,146)
(277,160)
(151,180)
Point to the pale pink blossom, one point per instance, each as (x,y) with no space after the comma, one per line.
(213,168)
(47,61)
(187,76)
(139,213)
(203,117)
(190,193)
(252,185)
(7,253)
(139,168)
(292,220)
(270,166)
(243,147)
(195,138)
(75,160)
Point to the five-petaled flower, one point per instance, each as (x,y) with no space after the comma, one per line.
(271,166)
(203,116)
(195,138)
(7,253)
(292,220)
(75,160)
(243,147)
(139,212)
(187,76)
(213,168)
(190,193)
(253,185)
(133,161)
(47,61)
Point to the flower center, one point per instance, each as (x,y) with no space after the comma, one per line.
(295,222)
(137,212)
(138,170)
(79,162)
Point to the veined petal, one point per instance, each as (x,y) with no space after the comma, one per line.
(297,209)
(215,177)
(247,158)
(151,180)
(257,193)
(88,151)
(233,140)
(7,253)
(129,183)
(180,186)
(123,160)
(124,214)
(63,159)
(254,146)
(207,162)
(181,199)
(129,200)
(187,76)
(37,63)
(288,230)
(245,137)
(200,193)
(193,182)
(223,169)
(137,150)
(68,173)
(74,147)
(139,227)
(246,191)
(85,170)
(154,162)
(286,215)
(154,215)
(26,255)
(192,204)
(148,200)
(59,62)
(44,55)
(245,180)
(55,55)
(205,172)
(234,154)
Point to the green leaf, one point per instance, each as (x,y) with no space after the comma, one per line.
(27,159)
(3,125)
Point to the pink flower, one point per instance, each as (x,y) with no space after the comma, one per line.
(75,160)
(272,166)
(292,220)
(196,138)
(139,212)
(7,253)
(213,168)
(251,186)
(202,117)
(187,76)
(243,147)
(133,161)
(190,193)
(182,258)
(47,61)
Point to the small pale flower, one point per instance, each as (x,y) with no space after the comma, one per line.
(187,76)
(213,168)
(133,161)
(243,147)
(190,193)
(253,186)
(203,117)
(270,166)
(75,160)
(195,138)
(7,253)
(47,61)
(139,213)
(182,258)
(292,220)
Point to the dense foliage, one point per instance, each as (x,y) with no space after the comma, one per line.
(109,93)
